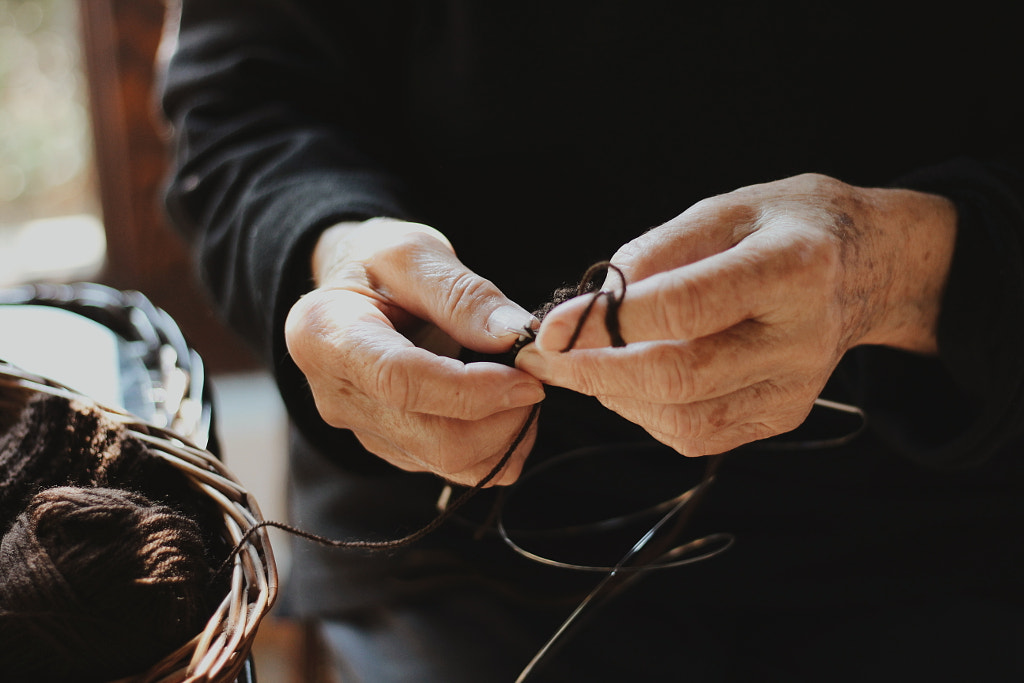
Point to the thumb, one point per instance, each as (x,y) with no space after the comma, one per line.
(428,280)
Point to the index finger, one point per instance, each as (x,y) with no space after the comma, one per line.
(685,303)
(350,346)
(665,372)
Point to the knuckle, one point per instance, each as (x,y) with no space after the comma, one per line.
(706,206)
(464,291)
(398,253)
(419,440)
(396,250)
(670,375)
(676,309)
(635,258)
(692,443)
(691,448)
(334,401)
(405,392)
(814,262)
(628,252)
(440,456)
(384,449)
(331,412)
(782,409)
(701,430)
(304,324)
(462,405)
(577,374)
(794,415)
(454,454)
(756,431)
(684,428)
(581,380)
(392,385)
(734,438)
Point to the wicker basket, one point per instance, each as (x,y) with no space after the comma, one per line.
(221,652)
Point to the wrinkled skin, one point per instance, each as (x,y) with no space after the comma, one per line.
(374,339)
(737,312)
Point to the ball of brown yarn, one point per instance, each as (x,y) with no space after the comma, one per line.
(97,584)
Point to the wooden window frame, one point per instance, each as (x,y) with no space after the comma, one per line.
(120,42)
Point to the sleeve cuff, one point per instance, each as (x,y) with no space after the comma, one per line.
(961,408)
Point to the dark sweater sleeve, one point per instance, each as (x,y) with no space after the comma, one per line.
(964,406)
(278,134)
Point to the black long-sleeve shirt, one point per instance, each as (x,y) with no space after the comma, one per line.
(540,136)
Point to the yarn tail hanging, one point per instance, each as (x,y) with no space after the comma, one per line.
(586,285)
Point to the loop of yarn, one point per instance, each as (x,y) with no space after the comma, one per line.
(98,581)
(586,285)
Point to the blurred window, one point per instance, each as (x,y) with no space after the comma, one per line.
(49,208)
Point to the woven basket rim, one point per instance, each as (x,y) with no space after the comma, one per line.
(219,652)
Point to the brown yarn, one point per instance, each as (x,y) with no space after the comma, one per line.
(58,441)
(395,543)
(98,581)
(586,285)
(106,552)
(97,584)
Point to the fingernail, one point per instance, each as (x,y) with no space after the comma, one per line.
(525,394)
(508,320)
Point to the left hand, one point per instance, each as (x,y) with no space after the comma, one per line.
(738,310)
(392,303)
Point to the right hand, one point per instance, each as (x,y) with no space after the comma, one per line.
(392,304)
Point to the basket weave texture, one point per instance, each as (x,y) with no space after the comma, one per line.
(220,653)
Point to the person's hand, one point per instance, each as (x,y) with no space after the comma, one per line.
(738,310)
(392,303)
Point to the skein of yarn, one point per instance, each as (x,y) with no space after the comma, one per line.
(97,584)
(105,560)
(104,568)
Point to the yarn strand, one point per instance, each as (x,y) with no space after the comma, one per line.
(408,539)
(614,300)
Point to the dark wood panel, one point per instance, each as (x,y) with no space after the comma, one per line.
(120,43)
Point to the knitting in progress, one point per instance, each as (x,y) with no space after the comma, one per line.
(586,285)
(107,561)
